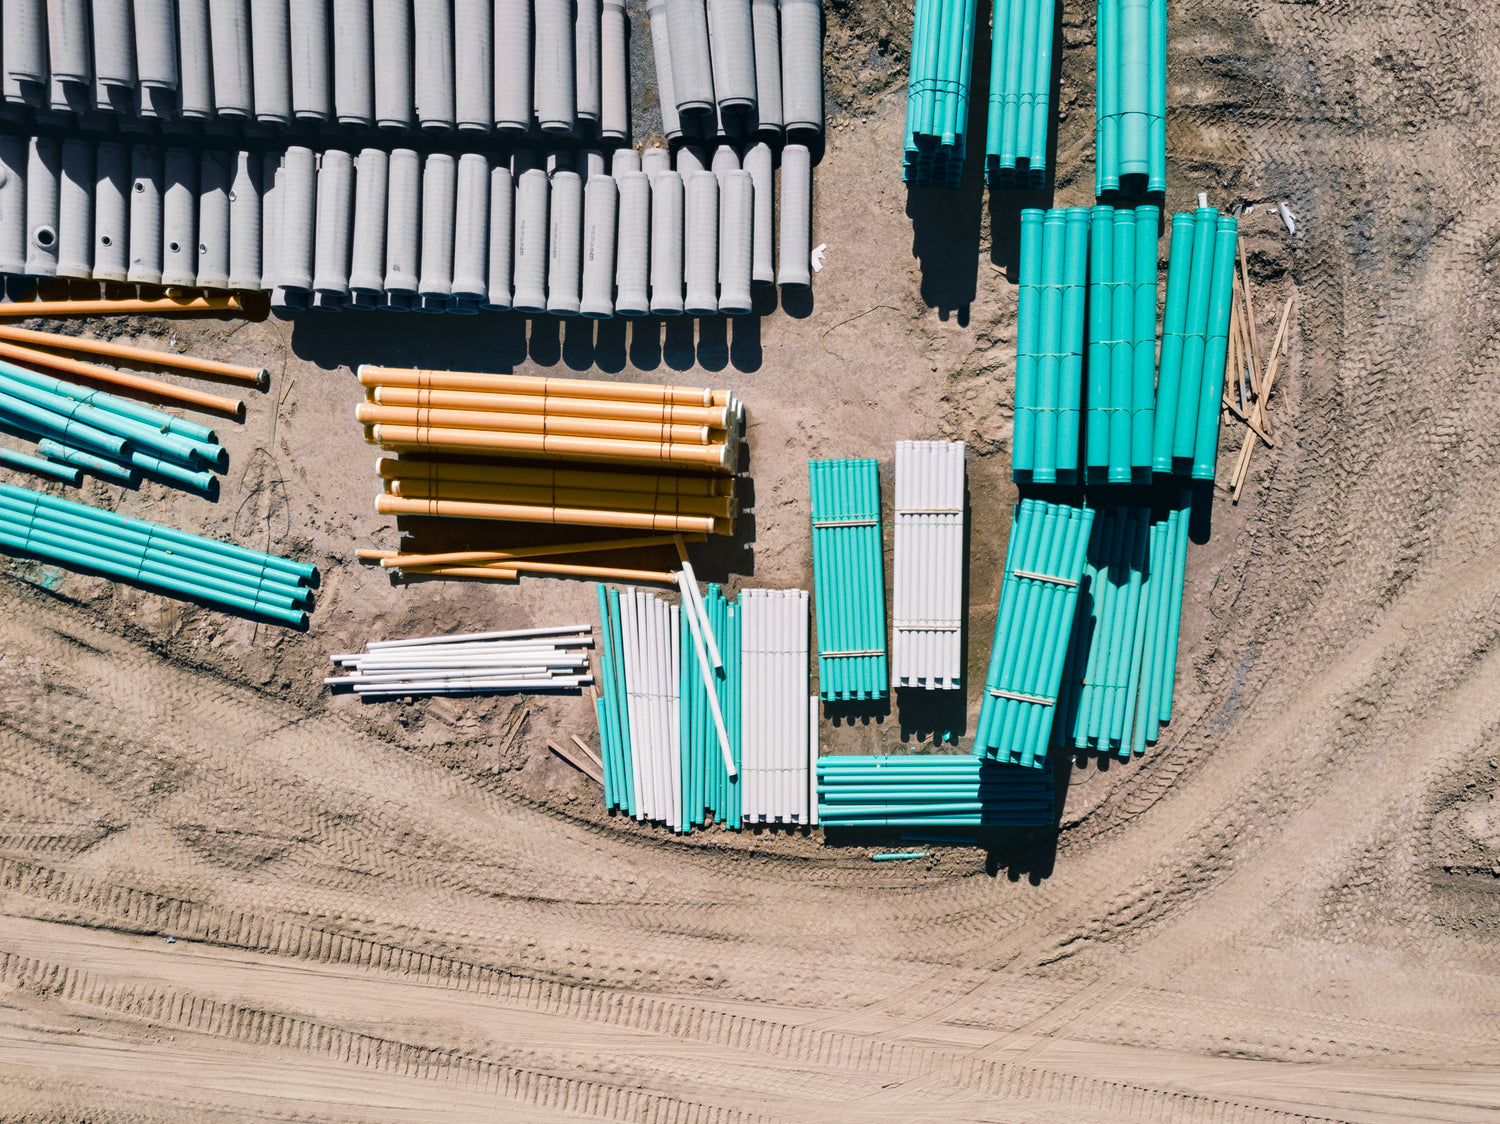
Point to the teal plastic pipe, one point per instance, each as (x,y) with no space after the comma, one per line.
(1034,141)
(1001,80)
(1143,380)
(605,708)
(124,471)
(1142,684)
(617,644)
(78,458)
(1028,332)
(1216,345)
(1174,324)
(1190,388)
(984,740)
(1070,371)
(1018,140)
(1101,314)
(1174,617)
(22,415)
(1134,39)
(1106,99)
(1053,239)
(137,434)
(112,403)
(1127,677)
(65,473)
(1156,73)
(1122,331)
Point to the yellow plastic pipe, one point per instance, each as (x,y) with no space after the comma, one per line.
(371,413)
(400,438)
(129,356)
(392,559)
(533,384)
(136,384)
(230,303)
(565,497)
(393,468)
(536,513)
(607,573)
(717,417)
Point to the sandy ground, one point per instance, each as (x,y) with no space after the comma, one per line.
(225,895)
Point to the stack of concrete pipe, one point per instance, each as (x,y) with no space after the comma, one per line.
(397,230)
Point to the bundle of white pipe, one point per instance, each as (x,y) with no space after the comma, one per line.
(928,614)
(776,751)
(651,636)
(527,659)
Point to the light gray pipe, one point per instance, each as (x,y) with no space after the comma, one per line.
(667,208)
(371,172)
(246,191)
(353,63)
(591,164)
(633,244)
(802,65)
(502,234)
(195,94)
(586,54)
(471,228)
(623,160)
(735,244)
(434,62)
(556,92)
(403,230)
(310,47)
(270,36)
(393,70)
(601,202)
(661,54)
(439,196)
(68,40)
(691,158)
(732,35)
(796,216)
(43,173)
(473,65)
(701,245)
(145,215)
(179,219)
(614,69)
(111,211)
(564,253)
(155,30)
(272,179)
(692,66)
(229,32)
(724,161)
(299,210)
(513,65)
(215,175)
(334,224)
(114,51)
(13,159)
(765,21)
(656,159)
(75,210)
(757,162)
(533,190)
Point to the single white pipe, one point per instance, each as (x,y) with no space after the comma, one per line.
(812,759)
(464,686)
(700,612)
(700,633)
(651,651)
(633,716)
(437,676)
(524,644)
(474,65)
(674,711)
(550,630)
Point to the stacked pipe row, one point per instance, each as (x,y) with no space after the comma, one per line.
(1049,344)
(167,561)
(107,436)
(1043,564)
(937,93)
(918,790)
(775,742)
(1015,150)
(1122,343)
(738,67)
(528,659)
(848,578)
(651,652)
(683,432)
(1122,654)
(1130,97)
(1194,343)
(707,786)
(927,645)
(471,66)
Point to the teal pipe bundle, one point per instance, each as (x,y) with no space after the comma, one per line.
(1015,148)
(611,707)
(1122,343)
(1130,92)
(1122,655)
(1049,344)
(849,578)
(932,790)
(159,558)
(1043,564)
(707,787)
(1194,343)
(937,92)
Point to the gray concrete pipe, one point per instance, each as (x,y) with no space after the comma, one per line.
(533,190)
(736,243)
(802,66)
(556,92)
(586,60)
(589,163)
(271,180)
(439,196)
(75,210)
(434,65)
(502,234)
(215,176)
(474,65)
(13,159)
(564,251)
(246,233)
(393,69)
(68,40)
(601,202)
(367,261)
(796,217)
(692,65)
(513,80)
(471,228)
(111,211)
(43,176)
(334,225)
(700,245)
(195,90)
(270,50)
(114,52)
(623,160)
(661,55)
(667,206)
(311,49)
(757,161)
(656,159)
(724,161)
(614,71)
(179,219)
(298,219)
(732,35)
(155,33)
(765,20)
(233,71)
(633,244)
(403,230)
(353,63)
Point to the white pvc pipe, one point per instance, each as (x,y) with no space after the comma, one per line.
(812,759)
(634,718)
(463,637)
(674,712)
(701,636)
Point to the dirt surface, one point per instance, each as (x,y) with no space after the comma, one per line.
(226,895)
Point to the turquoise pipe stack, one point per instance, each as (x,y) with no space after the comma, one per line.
(707,788)
(930,791)
(1015,148)
(1049,344)
(172,562)
(1194,343)
(937,93)
(848,578)
(612,707)
(1130,91)
(1043,564)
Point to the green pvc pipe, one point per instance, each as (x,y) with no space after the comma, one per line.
(1033,144)
(1156,76)
(1174,324)
(1174,618)
(1017,138)
(1053,239)
(137,434)
(622,707)
(1216,345)
(1122,357)
(605,701)
(66,473)
(894,856)
(78,458)
(1131,636)
(113,403)
(1143,378)
(1190,386)
(123,471)
(1028,332)
(1143,681)
(1106,99)
(1070,370)
(22,415)
(1101,313)
(1097,673)
(1001,79)
(984,739)
(1134,39)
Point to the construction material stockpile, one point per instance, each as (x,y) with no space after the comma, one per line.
(933,791)
(1122,343)
(1049,344)
(1122,655)
(1194,343)
(928,615)
(1043,564)
(1015,149)
(848,578)
(1130,99)
(937,93)
(528,659)
(161,559)
(690,436)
